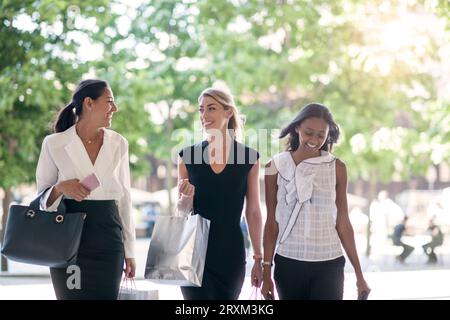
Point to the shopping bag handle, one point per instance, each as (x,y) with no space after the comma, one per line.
(256,294)
(129,283)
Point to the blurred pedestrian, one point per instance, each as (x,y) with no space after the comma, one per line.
(399,231)
(437,239)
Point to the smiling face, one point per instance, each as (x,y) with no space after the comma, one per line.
(312,134)
(101,110)
(213,115)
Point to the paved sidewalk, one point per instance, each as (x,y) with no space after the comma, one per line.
(388,278)
(395,285)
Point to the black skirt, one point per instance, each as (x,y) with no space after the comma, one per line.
(98,271)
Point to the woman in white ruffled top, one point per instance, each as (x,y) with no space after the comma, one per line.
(307,214)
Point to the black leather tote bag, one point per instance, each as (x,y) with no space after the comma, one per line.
(41,237)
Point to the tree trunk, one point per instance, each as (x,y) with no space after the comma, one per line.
(169,183)
(438,181)
(6,201)
(359,188)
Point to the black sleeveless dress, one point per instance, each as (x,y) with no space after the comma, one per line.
(220,198)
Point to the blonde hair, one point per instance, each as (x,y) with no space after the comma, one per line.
(225,99)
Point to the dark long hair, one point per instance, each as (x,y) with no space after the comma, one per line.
(67,116)
(312,110)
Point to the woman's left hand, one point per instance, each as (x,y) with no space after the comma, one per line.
(362,286)
(256,275)
(130,267)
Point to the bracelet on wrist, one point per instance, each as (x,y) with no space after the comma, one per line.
(257,257)
(266,264)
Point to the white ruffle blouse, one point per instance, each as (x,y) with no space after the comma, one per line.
(306,210)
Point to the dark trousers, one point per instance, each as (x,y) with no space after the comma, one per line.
(100,257)
(407,250)
(216,287)
(429,250)
(304,280)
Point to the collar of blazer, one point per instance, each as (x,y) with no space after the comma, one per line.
(80,158)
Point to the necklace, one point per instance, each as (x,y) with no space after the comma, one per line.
(90,141)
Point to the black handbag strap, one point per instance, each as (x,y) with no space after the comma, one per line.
(35,204)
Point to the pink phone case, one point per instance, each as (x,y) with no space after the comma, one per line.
(90,182)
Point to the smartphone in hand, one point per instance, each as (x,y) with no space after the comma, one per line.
(90,182)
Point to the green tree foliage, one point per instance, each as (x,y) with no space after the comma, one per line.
(368,61)
(38,66)
(379,65)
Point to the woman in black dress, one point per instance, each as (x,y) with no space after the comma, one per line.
(214,178)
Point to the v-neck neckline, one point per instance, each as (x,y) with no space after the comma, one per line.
(86,153)
(230,153)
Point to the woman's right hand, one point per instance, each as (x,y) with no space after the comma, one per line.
(185,188)
(186,197)
(267,288)
(73,189)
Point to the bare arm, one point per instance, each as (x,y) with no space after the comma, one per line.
(271,226)
(253,209)
(344,227)
(185,190)
(254,220)
(182,172)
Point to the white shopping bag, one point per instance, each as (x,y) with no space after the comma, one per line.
(177,250)
(128,291)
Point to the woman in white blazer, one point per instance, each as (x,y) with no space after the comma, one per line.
(82,147)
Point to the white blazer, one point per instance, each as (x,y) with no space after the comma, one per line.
(63,157)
